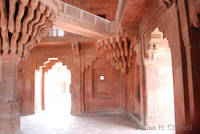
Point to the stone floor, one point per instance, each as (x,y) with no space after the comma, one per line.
(48,123)
(57,120)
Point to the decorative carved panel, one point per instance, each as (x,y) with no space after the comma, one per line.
(101,87)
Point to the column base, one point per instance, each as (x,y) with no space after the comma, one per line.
(10,125)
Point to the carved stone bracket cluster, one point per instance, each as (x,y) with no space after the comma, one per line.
(120,51)
(76,48)
(22,23)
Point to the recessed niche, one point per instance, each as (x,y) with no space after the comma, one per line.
(101,77)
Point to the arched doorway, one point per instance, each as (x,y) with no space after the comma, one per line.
(52,87)
(159,84)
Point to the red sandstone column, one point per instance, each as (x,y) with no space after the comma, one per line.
(179,75)
(75,88)
(9,108)
(22,24)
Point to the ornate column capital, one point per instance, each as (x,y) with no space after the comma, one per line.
(21,29)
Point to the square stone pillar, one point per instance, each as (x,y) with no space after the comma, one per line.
(9,108)
(75,88)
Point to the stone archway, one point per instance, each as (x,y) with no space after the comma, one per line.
(159,83)
(41,85)
(45,84)
(37,59)
(168,21)
(76,99)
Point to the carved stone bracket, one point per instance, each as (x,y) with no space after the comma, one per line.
(89,60)
(49,65)
(195,13)
(22,24)
(196,22)
(76,48)
(167,3)
(120,51)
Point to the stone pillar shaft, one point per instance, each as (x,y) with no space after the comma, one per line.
(9,108)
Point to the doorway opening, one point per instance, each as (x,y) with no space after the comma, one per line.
(159,84)
(52,88)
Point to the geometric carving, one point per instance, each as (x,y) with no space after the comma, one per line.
(76,48)
(120,51)
(22,23)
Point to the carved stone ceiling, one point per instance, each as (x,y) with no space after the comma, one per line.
(134,11)
(98,7)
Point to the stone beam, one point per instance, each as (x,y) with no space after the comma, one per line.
(78,21)
(68,38)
